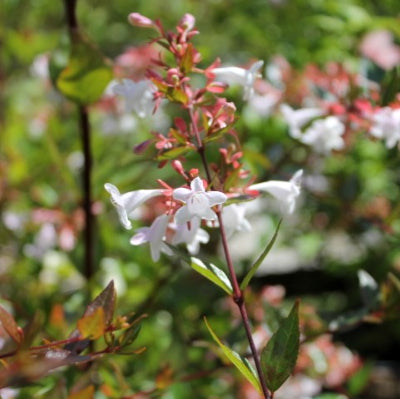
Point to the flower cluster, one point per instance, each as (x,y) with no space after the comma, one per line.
(199,203)
(186,208)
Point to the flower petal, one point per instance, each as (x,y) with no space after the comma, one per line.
(182,215)
(197,184)
(181,194)
(216,197)
(140,237)
(209,214)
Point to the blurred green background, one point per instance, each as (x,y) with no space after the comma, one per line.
(40,185)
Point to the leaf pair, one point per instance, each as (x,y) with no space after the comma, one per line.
(278,358)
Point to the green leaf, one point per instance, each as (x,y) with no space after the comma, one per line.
(187,59)
(395,281)
(279,356)
(93,325)
(348,319)
(177,95)
(390,86)
(174,153)
(131,333)
(357,383)
(240,363)
(86,74)
(369,289)
(258,262)
(213,273)
(219,133)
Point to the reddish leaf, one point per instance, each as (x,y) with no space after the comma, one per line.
(11,327)
(105,300)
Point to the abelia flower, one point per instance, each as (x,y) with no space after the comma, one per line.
(198,202)
(244,77)
(286,192)
(128,202)
(154,235)
(233,217)
(296,119)
(138,96)
(192,235)
(264,104)
(386,125)
(325,135)
(379,47)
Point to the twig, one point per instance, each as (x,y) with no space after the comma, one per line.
(72,23)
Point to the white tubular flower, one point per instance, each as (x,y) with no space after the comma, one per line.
(296,119)
(128,202)
(192,237)
(198,202)
(234,219)
(138,96)
(386,126)
(154,235)
(286,192)
(325,135)
(244,77)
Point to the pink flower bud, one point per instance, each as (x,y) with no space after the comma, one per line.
(177,165)
(187,22)
(137,19)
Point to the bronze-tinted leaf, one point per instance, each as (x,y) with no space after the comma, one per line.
(11,327)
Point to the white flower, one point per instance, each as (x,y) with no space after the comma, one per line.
(264,104)
(324,135)
(192,237)
(154,235)
(198,202)
(233,217)
(244,77)
(286,192)
(8,393)
(138,96)
(128,202)
(296,119)
(386,125)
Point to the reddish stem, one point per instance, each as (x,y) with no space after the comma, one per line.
(237,296)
